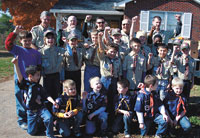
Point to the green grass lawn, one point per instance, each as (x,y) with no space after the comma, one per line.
(6,67)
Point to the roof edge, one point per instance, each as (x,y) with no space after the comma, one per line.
(98,12)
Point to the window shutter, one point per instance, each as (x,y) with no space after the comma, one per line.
(186,27)
(144,20)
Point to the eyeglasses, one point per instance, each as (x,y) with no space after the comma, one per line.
(100,22)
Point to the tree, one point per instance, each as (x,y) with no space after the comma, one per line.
(27,12)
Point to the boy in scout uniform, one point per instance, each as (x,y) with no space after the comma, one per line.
(68,113)
(134,66)
(124,107)
(145,50)
(95,107)
(176,105)
(186,68)
(74,60)
(92,62)
(111,71)
(38,31)
(52,61)
(161,66)
(150,109)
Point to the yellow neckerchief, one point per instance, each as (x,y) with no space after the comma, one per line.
(120,103)
(69,105)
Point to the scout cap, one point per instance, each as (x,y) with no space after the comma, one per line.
(72,36)
(49,32)
(177,42)
(45,13)
(116,31)
(185,46)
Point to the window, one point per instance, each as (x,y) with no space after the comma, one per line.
(168,21)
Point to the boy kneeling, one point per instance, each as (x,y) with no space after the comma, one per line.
(147,106)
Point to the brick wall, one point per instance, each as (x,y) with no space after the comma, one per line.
(132,9)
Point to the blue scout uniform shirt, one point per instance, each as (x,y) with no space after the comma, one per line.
(171,102)
(62,101)
(143,103)
(124,102)
(35,94)
(94,101)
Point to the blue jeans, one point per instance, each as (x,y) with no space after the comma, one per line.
(162,125)
(90,71)
(91,125)
(20,105)
(32,118)
(161,89)
(119,120)
(64,125)
(185,123)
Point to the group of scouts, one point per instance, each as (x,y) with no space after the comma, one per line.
(129,77)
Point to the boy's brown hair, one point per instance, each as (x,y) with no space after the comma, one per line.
(112,45)
(25,34)
(124,83)
(68,83)
(150,80)
(94,32)
(162,45)
(134,40)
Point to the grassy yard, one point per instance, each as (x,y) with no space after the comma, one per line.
(6,68)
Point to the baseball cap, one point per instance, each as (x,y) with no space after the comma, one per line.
(116,31)
(45,13)
(185,46)
(72,36)
(177,42)
(49,32)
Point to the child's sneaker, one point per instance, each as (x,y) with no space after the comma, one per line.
(24,126)
(127,136)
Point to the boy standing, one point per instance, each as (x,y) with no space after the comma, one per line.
(124,105)
(161,69)
(27,56)
(74,60)
(147,106)
(34,97)
(52,58)
(111,71)
(186,68)
(68,112)
(95,106)
(92,62)
(176,105)
(134,66)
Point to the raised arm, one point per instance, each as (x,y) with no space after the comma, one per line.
(19,75)
(179,24)
(84,29)
(9,42)
(132,30)
(149,37)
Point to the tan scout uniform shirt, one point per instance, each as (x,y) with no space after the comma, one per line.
(106,65)
(88,56)
(38,35)
(145,50)
(181,66)
(134,77)
(123,50)
(52,59)
(165,69)
(69,61)
(125,37)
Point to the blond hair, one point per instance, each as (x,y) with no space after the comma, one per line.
(141,33)
(177,82)
(91,80)
(68,83)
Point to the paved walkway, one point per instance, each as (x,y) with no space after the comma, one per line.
(8,118)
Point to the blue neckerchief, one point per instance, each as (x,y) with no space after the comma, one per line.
(69,50)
